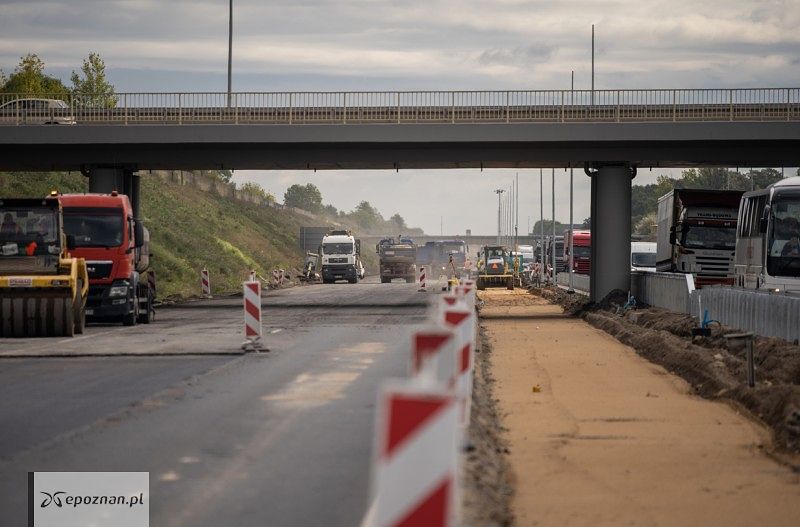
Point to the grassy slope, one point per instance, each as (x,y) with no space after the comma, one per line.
(190,228)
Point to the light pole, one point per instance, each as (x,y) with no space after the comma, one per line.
(542,259)
(571,235)
(230,47)
(592,64)
(553,246)
(498,192)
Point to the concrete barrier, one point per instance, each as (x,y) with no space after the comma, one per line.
(665,290)
(580,282)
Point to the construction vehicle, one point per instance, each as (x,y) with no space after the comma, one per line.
(397,258)
(43,288)
(496,268)
(697,234)
(341,257)
(116,247)
(310,266)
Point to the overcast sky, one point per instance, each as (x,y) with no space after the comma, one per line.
(173,45)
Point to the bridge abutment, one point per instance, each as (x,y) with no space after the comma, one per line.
(611,228)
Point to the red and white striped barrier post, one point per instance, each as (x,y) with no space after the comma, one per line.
(205,283)
(252,316)
(422,279)
(461,320)
(434,355)
(415,462)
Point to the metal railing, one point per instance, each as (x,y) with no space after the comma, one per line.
(762,312)
(551,106)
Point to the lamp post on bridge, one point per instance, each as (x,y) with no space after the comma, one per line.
(230,47)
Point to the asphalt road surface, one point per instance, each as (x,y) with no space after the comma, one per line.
(277,438)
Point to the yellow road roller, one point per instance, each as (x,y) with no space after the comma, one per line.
(43,290)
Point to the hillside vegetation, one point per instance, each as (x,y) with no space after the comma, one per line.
(190,229)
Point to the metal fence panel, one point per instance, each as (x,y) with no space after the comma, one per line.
(764,313)
(580,282)
(665,290)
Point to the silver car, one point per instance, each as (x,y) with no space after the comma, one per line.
(36,111)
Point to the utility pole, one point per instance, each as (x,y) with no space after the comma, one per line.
(498,192)
(230,47)
(553,246)
(592,64)
(572,235)
(516,216)
(541,227)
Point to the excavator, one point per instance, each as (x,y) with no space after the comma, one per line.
(43,289)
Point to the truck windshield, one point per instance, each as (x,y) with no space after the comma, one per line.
(95,229)
(28,231)
(709,237)
(784,242)
(643,259)
(337,248)
(582,252)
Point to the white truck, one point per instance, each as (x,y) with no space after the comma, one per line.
(643,256)
(341,257)
(697,234)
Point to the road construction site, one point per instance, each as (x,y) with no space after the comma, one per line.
(569,425)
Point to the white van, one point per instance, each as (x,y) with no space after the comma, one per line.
(643,256)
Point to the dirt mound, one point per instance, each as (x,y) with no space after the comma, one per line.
(665,338)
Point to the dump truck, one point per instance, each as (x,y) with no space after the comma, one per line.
(397,259)
(697,234)
(43,288)
(116,247)
(495,268)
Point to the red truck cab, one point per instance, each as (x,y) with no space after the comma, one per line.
(582,244)
(113,243)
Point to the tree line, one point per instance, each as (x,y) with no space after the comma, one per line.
(90,88)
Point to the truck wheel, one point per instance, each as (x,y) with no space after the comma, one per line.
(385,280)
(510,284)
(353,280)
(147,316)
(80,310)
(131,318)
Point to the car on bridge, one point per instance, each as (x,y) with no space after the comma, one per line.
(36,111)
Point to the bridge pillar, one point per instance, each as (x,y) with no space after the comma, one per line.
(104,180)
(611,229)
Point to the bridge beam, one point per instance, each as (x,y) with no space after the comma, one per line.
(611,228)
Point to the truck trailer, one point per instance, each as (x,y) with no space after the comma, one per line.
(697,234)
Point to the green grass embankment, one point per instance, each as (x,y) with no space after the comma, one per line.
(190,229)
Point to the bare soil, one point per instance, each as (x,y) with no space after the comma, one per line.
(713,371)
(598,435)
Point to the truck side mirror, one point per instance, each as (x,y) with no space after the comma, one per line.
(70,242)
(138,233)
(358,246)
(764,223)
(378,248)
(672,238)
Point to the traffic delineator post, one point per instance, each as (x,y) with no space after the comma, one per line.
(415,457)
(434,354)
(461,320)
(205,283)
(252,317)
(422,288)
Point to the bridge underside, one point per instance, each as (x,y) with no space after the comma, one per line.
(405,146)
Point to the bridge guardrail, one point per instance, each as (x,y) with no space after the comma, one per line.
(757,104)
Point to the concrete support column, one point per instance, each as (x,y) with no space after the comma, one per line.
(104,180)
(611,229)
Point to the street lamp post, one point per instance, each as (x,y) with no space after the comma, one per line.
(498,192)
(230,47)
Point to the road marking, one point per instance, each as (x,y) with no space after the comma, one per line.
(74,339)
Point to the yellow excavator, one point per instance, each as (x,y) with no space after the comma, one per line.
(43,289)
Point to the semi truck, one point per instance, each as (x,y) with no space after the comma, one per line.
(768,238)
(582,245)
(116,247)
(697,234)
(397,257)
(340,252)
(43,287)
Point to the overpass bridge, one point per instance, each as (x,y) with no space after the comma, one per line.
(607,133)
